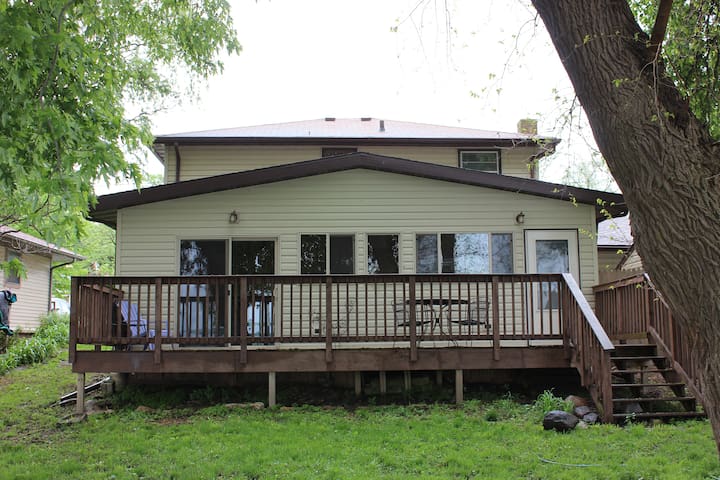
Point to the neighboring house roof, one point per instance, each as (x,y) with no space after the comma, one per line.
(27,243)
(105,209)
(615,233)
(354,131)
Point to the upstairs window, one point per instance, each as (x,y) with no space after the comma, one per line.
(487,161)
(320,254)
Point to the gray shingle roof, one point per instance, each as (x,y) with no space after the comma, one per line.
(348,128)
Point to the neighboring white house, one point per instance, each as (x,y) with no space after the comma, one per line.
(33,290)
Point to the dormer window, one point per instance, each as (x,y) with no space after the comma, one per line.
(480,160)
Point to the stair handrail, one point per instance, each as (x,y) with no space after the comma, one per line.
(676,347)
(590,346)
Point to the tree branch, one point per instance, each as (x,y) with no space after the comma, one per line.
(660,27)
(56,53)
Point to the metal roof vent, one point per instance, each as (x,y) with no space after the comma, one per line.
(329,119)
(382,125)
(365,119)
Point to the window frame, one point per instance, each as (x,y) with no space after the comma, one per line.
(328,259)
(439,259)
(496,151)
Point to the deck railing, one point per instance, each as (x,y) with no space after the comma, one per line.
(149,312)
(589,346)
(632,308)
(410,311)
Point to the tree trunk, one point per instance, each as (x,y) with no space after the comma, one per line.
(663,159)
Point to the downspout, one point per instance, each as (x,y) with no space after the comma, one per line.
(177,162)
(52,268)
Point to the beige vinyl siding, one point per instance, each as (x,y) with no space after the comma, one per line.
(358,202)
(206,161)
(608,259)
(32,292)
(353,202)
(634,262)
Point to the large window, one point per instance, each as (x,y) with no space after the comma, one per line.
(464,253)
(383,254)
(320,254)
(480,160)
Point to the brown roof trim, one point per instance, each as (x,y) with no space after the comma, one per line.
(337,141)
(107,205)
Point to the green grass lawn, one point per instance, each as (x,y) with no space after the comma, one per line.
(498,439)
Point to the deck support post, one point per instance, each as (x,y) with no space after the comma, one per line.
(328,321)
(496,317)
(383,383)
(413,320)
(358,384)
(80,396)
(407,380)
(438,377)
(243,320)
(272,400)
(459,387)
(157,354)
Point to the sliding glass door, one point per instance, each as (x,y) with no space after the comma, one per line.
(255,257)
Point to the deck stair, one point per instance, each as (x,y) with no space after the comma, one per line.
(646,387)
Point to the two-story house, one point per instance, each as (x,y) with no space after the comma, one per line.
(346,245)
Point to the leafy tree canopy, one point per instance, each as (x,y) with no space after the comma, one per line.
(68,70)
(691,53)
(97,245)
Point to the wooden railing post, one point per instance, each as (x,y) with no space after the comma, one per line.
(243,320)
(606,382)
(328,319)
(158,321)
(76,301)
(413,320)
(496,317)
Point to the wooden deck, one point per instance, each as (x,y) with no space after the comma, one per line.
(251,324)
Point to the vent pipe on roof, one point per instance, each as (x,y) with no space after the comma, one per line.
(329,119)
(382,125)
(365,119)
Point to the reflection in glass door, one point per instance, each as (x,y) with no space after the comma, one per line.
(202,307)
(255,257)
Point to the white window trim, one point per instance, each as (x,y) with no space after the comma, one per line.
(497,160)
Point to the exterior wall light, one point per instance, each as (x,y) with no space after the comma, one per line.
(233,217)
(520,218)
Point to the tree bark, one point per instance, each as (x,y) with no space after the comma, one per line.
(663,159)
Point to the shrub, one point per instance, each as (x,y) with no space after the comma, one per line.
(48,339)
(547,401)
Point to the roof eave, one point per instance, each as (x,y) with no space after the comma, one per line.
(105,210)
(353,141)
